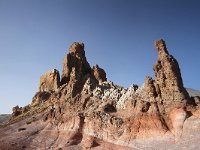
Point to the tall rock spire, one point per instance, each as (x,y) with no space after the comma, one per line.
(168,81)
(75,59)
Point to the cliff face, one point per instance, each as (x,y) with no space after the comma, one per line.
(84,110)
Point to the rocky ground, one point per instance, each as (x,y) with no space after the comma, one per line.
(82,110)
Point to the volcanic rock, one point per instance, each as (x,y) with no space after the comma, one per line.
(177,116)
(150,90)
(50,81)
(75,59)
(16,111)
(168,82)
(99,73)
(85,111)
(197,99)
(40,97)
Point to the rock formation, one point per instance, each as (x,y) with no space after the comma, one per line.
(99,73)
(75,59)
(16,111)
(168,81)
(85,111)
(50,81)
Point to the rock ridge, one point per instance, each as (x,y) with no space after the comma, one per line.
(83,110)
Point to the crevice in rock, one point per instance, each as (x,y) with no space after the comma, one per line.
(109,108)
(146,106)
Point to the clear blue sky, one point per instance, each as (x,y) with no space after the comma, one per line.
(118,35)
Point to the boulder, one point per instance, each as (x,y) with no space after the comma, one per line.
(177,117)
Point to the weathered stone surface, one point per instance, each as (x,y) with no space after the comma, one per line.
(16,111)
(75,83)
(75,59)
(50,81)
(127,95)
(89,112)
(40,97)
(168,82)
(99,73)
(177,117)
(150,93)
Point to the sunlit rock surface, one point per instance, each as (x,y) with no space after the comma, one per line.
(84,110)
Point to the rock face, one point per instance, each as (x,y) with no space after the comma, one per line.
(150,90)
(40,97)
(50,81)
(99,73)
(85,111)
(75,59)
(168,83)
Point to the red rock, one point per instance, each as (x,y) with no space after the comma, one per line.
(99,73)
(87,112)
(168,80)
(50,81)
(75,59)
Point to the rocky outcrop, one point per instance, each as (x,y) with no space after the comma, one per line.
(75,59)
(196,100)
(99,73)
(150,93)
(16,111)
(168,82)
(85,111)
(40,97)
(177,117)
(50,81)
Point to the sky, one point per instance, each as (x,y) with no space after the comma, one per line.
(118,35)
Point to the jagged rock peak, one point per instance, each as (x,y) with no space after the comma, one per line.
(77,49)
(168,82)
(75,59)
(50,81)
(99,73)
(161,47)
